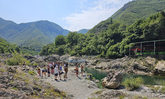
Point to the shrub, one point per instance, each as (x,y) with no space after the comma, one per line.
(133,83)
(17,59)
(32,72)
(163,90)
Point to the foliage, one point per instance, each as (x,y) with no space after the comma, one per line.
(112,42)
(32,72)
(17,59)
(133,83)
(60,40)
(137,9)
(6,47)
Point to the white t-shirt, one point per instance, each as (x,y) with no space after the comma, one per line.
(56,69)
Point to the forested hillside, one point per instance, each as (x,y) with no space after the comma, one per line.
(131,12)
(33,35)
(111,43)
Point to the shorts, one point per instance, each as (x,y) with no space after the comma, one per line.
(56,74)
(43,70)
(60,73)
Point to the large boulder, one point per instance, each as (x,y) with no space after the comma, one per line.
(150,61)
(31,58)
(102,65)
(160,68)
(113,80)
(138,67)
(52,58)
(64,58)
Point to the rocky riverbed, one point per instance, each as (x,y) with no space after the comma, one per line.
(83,88)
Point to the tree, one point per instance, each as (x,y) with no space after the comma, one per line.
(60,40)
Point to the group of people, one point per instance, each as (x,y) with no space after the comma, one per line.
(58,69)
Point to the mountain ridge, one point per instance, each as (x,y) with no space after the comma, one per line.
(32,34)
(131,12)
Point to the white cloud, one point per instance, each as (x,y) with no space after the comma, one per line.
(88,18)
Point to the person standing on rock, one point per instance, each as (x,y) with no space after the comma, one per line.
(56,71)
(66,70)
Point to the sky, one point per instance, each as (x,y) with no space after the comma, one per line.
(69,14)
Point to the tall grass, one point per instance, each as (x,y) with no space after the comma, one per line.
(133,83)
(148,80)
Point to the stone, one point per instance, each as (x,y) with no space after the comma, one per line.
(113,80)
(64,58)
(111,94)
(160,68)
(150,60)
(52,58)
(12,69)
(102,65)
(92,85)
(139,67)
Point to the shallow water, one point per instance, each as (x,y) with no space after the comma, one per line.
(148,80)
(96,73)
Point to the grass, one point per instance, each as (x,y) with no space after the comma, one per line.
(2,70)
(32,72)
(148,80)
(163,90)
(133,83)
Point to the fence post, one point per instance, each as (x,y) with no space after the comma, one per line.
(154,47)
(141,47)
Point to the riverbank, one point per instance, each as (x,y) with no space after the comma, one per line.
(76,88)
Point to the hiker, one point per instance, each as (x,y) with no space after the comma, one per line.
(76,70)
(82,70)
(48,69)
(39,71)
(44,71)
(56,71)
(24,65)
(52,68)
(60,70)
(66,70)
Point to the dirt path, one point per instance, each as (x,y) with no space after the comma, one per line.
(78,88)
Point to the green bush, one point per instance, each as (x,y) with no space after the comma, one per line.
(133,83)
(32,72)
(34,64)
(17,59)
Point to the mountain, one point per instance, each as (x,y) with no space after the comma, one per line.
(131,12)
(83,31)
(32,34)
